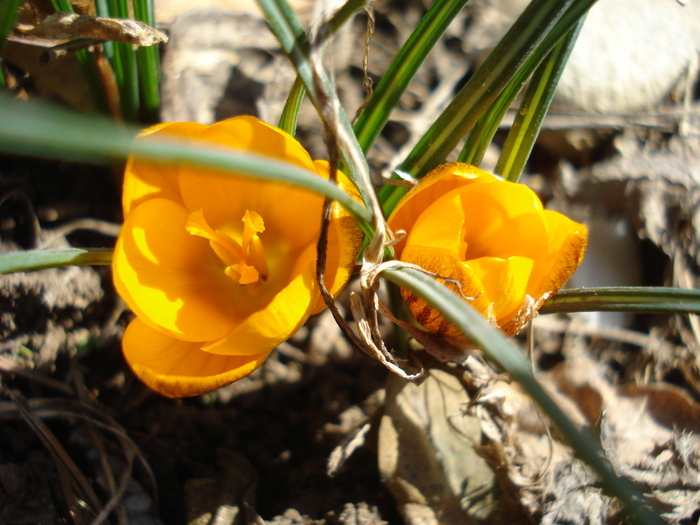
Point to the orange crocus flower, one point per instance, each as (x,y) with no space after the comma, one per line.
(220,269)
(493,237)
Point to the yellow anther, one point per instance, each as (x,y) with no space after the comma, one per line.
(243,264)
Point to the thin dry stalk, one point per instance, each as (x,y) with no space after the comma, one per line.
(39,409)
(116,492)
(78,493)
(10,368)
(367,83)
(369,341)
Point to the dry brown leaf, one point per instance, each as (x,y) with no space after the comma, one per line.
(649,433)
(428,452)
(61,76)
(543,473)
(356,425)
(71,26)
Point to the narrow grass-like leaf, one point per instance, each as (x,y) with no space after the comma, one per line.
(403,68)
(148,78)
(296,46)
(290,113)
(92,78)
(41,259)
(528,41)
(148,65)
(483,132)
(87,64)
(538,96)
(102,9)
(8,13)
(642,300)
(125,55)
(498,349)
(144,11)
(485,128)
(45,130)
(342,15)
(117,66)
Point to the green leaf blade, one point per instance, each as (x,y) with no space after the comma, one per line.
(294,43)
(148,66)
(648,300)
(48,131)
(532,36)
(534,107)
(498,349)
(290,112)
(41,259)
(403,68)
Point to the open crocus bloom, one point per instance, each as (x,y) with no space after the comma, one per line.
(220,269)
(493,237)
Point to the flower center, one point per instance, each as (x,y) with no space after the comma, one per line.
(244,261)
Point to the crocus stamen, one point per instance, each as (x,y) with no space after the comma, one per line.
(243,263)
(251,245)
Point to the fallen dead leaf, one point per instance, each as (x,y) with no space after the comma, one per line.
(71,26)
(428,453)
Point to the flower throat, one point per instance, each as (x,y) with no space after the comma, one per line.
(244,263)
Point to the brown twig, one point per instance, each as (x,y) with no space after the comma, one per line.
(35,410)
(367,83)
(77,491)
(364,308)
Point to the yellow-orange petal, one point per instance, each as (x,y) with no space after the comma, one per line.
(291,214)
(144,179)
(503,220)
(505,283)
(345,239)
(446,264)
(567,245)
(251,134)
(434,185)
(176,368)
(441,225)
(170,278)
(264,329)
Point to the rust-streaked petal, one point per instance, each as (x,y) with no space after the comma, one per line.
(446,264)
(145,179)
(170,277)
(176,368)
